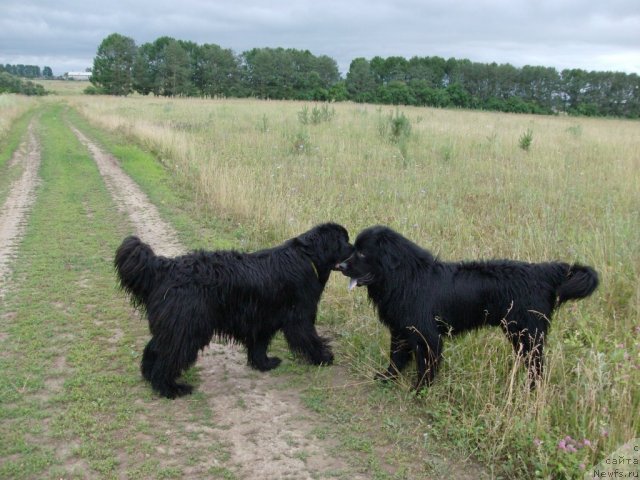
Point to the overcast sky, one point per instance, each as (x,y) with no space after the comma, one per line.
(588,34)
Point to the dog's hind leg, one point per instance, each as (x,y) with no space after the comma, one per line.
(303,339)
(168,366)
(148,359)
(428,352)
(529,344)
(400,354)
(531,347)
(257,353)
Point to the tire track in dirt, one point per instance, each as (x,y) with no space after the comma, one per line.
(133,202)
(15,210)
(268,431)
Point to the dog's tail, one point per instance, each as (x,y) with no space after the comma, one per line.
(135,266)
(580,281)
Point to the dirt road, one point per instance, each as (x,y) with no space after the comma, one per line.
(14,211)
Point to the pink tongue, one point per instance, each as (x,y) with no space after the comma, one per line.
(352,283)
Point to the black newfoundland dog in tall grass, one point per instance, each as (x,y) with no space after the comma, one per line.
(421,299)
(244,296)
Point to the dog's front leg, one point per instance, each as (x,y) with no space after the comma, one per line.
(399,356)
(257,354)
(303,339)
(428,354)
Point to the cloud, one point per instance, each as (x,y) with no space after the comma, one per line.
(561,33)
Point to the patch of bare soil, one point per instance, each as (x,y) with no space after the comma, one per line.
(15,210)
(263,424)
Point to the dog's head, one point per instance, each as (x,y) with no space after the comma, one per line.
(326,244)
(377,252)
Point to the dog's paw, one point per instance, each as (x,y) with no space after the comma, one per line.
(183,389)
(326,358)
(175,390)
(273,362)
(269,364)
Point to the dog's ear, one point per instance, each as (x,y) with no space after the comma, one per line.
(391,252)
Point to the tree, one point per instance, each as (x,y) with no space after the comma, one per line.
(216,71)
(145,70)
(174,71)
(47,72)
(361,83)
(113,65)
(458,95)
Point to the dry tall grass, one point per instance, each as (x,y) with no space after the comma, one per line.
(460,185)
(11,107)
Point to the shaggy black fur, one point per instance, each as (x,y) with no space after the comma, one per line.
(244,296)
(421,299)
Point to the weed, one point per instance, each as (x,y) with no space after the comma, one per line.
(525,140)
(575,130)
(300,143)
(447,152)
(264,124)
(317,115)
(396,127)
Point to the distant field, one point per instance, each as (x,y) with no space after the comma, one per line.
(465,185)
(64,87)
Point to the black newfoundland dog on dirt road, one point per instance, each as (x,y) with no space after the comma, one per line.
(244,296)
(421,299)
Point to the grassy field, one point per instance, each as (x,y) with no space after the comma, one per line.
(461,184)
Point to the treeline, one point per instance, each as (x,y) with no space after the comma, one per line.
(27,71)
(12,84)
(170,67)
(434,81)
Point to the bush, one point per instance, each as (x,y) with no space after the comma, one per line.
(12,84)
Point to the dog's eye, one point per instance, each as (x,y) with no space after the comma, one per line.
(360,254)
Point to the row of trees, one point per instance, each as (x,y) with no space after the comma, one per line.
(435,81)
(12,84)
(27,71)
(171,67)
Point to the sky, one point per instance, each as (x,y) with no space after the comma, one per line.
(587,34)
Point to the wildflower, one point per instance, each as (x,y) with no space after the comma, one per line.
(562,445)
(586,442)
(537,442)
(582,466)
